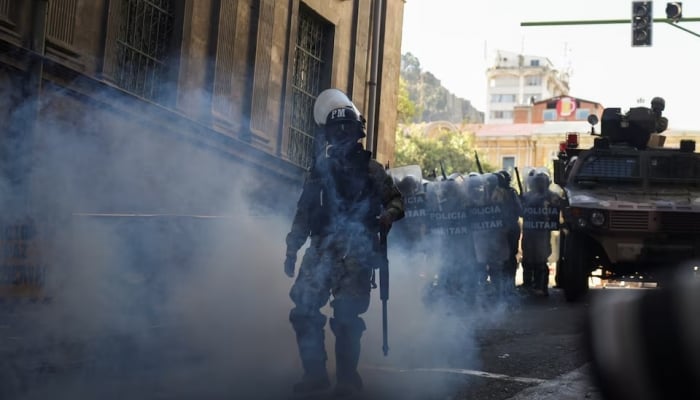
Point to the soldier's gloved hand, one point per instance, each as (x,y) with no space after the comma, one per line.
(289,264)
(385,221)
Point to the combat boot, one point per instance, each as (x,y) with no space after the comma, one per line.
(348,384)
(541,282)
(315,379)
(311,384)
(347,356)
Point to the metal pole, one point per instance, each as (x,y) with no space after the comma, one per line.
(683,29)
(25,120)
(600,22)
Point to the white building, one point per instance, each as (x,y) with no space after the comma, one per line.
(517,79)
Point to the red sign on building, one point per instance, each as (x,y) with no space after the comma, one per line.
(566,106)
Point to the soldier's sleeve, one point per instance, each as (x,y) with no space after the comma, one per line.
(301,225)
(392,200)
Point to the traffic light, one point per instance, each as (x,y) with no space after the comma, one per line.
(642,20)
(674,10)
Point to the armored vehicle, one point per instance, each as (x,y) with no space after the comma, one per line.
(632,207)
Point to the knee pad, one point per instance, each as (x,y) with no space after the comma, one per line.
(302,319)
(347,325)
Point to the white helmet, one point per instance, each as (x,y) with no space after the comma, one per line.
(333,105)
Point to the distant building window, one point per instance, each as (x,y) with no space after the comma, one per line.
(549,115)
(503,98)
(582,113)
(144,44)
(501,114)
(534,63)
(311,74)
(508,163)
(533,81)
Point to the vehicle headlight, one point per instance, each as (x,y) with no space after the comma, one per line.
(582,223)
(597,218)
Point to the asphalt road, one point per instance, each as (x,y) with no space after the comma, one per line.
(531,349)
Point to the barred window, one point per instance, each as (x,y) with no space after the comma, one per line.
(8,11)
(61,20)
(144,43)
(311,75)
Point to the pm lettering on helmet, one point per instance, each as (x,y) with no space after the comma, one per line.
(338,113)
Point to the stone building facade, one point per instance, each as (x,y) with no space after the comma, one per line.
(121,100)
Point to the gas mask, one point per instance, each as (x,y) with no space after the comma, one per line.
(342,138)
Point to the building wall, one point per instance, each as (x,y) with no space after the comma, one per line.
(229,93)
(520,78)
(535,113)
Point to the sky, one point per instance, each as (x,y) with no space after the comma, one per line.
(456,40)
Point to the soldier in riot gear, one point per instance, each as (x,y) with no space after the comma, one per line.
(346,199)
(489,233)
(456,281)
(512,211)
(408,185)
(541,209)
(411,231)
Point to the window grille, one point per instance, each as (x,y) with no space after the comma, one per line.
(309,77)
(143,45)
(61,24)
(7,10)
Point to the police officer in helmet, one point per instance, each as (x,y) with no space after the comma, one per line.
(540,217)
(346,199)
(512,212)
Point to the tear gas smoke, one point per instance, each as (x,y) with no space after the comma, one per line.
(166,277)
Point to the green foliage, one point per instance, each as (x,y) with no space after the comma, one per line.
(455,149)
(407,108)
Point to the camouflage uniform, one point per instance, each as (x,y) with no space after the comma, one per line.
(338,209)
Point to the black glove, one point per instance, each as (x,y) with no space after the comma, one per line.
(385,221)
(289,264)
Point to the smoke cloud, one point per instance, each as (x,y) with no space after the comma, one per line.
(164,267)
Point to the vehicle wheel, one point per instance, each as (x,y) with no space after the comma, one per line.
(576,270)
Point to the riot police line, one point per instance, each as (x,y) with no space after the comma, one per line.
(479,225)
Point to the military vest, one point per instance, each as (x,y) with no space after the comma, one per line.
(343,197)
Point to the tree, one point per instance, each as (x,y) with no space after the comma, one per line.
(407,108)
(454,149)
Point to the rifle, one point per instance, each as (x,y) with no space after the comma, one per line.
(520,183)
(478,163)
(384,288)
(442,170)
